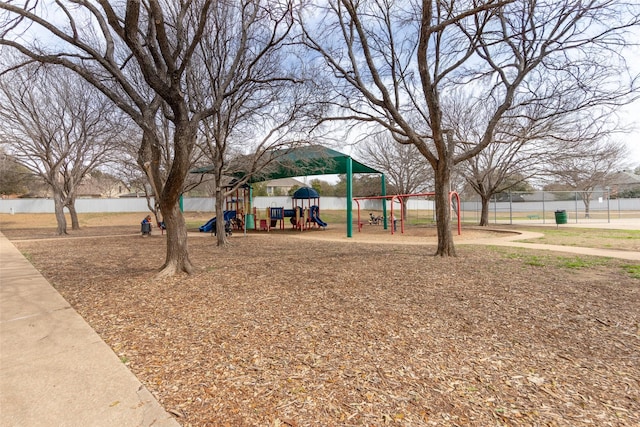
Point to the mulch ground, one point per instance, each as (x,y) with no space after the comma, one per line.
(275,330)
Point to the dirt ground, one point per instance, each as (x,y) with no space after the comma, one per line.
(313,329)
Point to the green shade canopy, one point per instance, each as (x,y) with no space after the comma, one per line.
(303,161)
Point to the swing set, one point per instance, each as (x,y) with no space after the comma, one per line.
(400,198)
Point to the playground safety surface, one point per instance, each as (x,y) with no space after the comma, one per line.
(284,329)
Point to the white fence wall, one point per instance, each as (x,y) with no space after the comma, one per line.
(189,204)
(82,205)
(326,203)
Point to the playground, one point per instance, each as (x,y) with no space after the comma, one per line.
(284,328)
(239,215)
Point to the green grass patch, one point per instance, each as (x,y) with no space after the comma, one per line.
(633,270)
(94,215)
(194,225)
(527,259)
(559,261)
(591,233)
(578,262)
(508,255)
(423,221)
(28,256)
(587,237)
(535,261)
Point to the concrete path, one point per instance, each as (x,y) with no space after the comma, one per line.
(512,240)
(54,368)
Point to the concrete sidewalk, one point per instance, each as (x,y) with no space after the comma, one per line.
(512,240)
(54,368)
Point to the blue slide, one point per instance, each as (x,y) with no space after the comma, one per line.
(315,218)
(318,221)
(208,226)
(211,224)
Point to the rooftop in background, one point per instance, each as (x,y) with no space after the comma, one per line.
(625,177)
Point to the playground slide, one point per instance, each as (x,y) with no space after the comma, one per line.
(209,226)
(318,221)
(315,217)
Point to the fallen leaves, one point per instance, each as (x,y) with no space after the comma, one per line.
(276,330)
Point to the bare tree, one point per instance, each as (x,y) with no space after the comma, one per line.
(403,165)
(396,63)
(139,54)
(497,169)
(261,105)
(14,178)
(524,143)
(363,185)
(130,169)
(588,168)
(59,129)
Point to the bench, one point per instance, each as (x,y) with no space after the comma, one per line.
(534,216)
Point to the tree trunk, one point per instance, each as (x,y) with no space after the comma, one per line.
(443,210)
(586,199)
(177,259)
(71,206)
(404,202)
(484,210)
(58,204)
(220,234)
(177,249)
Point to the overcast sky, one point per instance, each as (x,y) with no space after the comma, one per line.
(633,139)
(632,112)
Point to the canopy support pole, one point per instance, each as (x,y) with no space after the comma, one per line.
(383,190)
(349,197)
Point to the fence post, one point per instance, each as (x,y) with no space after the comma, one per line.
(510,209)
(608,200)
(495,209)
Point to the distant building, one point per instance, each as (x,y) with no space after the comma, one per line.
(281,187)
(622,182)
(101,186)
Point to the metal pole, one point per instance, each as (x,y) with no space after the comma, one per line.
(510,209)
(608,207)
(384,202)
(349,197)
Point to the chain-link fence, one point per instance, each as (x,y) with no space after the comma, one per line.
(541,207)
